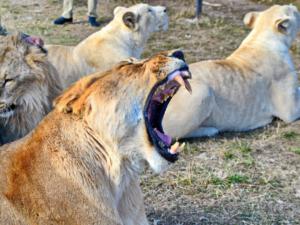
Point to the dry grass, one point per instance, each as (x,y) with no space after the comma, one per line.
(235,178)
(280,2)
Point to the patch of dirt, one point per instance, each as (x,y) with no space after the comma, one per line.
(235,178)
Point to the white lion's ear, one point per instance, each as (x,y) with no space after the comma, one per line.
(250,18)
(118,9)
(282,25)
(130,20)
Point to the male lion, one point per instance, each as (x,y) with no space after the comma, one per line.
(28,84)
(124,37)
(247,89)
(81,164)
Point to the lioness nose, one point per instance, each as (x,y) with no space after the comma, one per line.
(178,55)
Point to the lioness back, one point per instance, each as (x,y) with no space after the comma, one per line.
(66,62)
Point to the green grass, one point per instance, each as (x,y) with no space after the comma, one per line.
(237,179)
(290,135)
(296,150)
(191,149)
(216,181)
(248,161)
(187,181)
(229,155)
(242,147)
(228,181)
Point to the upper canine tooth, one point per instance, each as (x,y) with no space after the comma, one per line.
(179,80)
(186,73)
(188,86)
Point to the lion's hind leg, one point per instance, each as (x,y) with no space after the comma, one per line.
(286,102)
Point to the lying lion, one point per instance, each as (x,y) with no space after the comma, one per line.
(124,37)
(249,88)
(28,85)
(81,164)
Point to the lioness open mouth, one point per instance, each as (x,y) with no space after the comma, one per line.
(156,105)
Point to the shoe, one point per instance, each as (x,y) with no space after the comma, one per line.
(62,20)
(93,22)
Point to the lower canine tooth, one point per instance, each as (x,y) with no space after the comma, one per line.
(174,147)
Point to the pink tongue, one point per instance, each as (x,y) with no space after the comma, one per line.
(167,139)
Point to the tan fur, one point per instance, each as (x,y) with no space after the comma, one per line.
(112,44)
(247,89)
(27,80)
(81,165)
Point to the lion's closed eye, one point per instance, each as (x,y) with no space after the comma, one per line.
(28,84)
(8,82)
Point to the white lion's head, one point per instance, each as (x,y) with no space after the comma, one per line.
(278,23)
(142,19)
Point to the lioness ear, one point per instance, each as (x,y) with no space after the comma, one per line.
(250,19)
(118,9)
(282,25)
(130,20)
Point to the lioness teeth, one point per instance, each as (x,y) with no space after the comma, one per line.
(184,83)
(179,80)
(185,73)
(175,148)
(188,86)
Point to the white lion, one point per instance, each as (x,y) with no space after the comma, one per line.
(124,37)
(247,89)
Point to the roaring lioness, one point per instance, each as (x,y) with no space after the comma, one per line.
(81,164)
(28,85)
(125,36)
(247,89)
